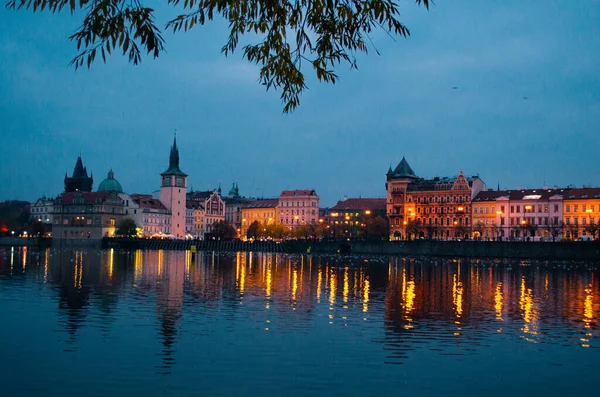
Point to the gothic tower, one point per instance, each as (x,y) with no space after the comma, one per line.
(173,188)
(79,181)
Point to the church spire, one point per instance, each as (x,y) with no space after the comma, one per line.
(174,160)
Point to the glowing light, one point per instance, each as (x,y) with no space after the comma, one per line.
(269,280)
(366,290)
(111,258)
(527,207)
(461,208)
(137,264)
(346,285)
(588,210)
(526,304)
(294,284)
(498,301)
(332,282)
(319,281)
(457,295)
(588,313)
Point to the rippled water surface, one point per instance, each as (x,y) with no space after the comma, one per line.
(109,323)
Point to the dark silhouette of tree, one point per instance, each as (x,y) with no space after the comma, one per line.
(478,228)
(592,229)
(254,230)
(572,229)
(413,228)
(127,227)
(320,34)
(556,229)
(276,231)
(223,230)
(377,227)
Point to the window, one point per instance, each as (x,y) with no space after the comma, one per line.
(555,207)
(512,209)
(575,208)
(518,208)
(568,208)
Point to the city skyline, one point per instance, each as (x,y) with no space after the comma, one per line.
(494,90)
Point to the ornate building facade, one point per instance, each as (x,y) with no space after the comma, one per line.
(206,208)
(439,207)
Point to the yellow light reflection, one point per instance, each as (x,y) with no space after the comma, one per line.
(346,285)
(160,261)
(137,265)
(243,277)
(269,280)
(111,259)
(24,258)
(527,306)
(498,301)
(294,284)
(588,312)
(457,295)
(46,261)
(319,281)
(332,287)
(366,291)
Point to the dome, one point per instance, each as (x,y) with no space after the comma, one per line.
(110,184)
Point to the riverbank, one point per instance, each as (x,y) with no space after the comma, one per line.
(564,250)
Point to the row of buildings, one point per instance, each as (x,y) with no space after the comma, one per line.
(442,208)
(171,212)
(462,207)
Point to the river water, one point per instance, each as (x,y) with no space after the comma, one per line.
(158,323)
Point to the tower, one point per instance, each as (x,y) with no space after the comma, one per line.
(173,188)
(397,182)
(79,181)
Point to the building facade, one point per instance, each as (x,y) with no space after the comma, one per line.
(298,207)
(208,208)
(581,213)
(264,211)
(435,208)
(87,215)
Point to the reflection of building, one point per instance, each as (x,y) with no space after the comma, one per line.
(298,207)
(264,212)
(441,206)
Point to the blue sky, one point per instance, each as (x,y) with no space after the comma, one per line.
(343,138)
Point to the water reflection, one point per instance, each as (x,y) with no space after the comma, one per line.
(451,307)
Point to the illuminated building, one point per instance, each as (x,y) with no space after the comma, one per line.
(298,207)
(148,213)
(483,214)
(533,214)
(352,214)
(581,212)
(440,206)
(43,210)
(208,207)
(87,215)
(265,212)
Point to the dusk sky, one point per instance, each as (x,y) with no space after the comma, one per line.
(526,110)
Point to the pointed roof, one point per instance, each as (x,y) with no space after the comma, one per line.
(174,161)
(403,170)
(80,171)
